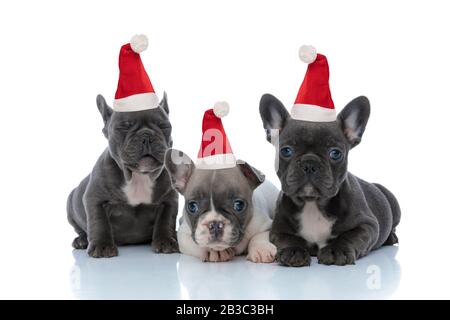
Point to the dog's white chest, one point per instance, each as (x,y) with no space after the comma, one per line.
(314,227)
(139,189)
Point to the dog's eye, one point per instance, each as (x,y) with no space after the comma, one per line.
(238,205)
(125,125)
(192,207)
(336,154)
(287,152)
(164,125)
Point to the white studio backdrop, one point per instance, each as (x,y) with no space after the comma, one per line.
(56,56)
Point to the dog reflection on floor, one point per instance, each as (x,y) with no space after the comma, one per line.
(375,276)
(137,273)
(140,274)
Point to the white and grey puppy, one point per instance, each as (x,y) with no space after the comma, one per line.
(227,212)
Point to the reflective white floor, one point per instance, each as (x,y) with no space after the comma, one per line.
(140,274)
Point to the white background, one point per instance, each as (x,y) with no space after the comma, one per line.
(55,56)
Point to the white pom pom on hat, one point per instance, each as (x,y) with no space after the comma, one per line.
(139,43)
(307,54)
(221,109)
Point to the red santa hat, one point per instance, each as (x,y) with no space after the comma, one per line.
(215,150)
(313,102)
(134,91)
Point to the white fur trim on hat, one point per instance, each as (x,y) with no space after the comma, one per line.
(221,109)
(309,112)
(136,102)
(139,43)
(307,54)
(217,161)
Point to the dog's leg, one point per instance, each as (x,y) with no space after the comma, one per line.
(391,240)
(164,239)
(100,238)
(80,242)
(349,246)
(396,214)
(292,250)
(260,249)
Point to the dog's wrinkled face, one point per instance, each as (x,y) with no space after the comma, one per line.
(312,156)
(218,203)
(137,140)
(312,159)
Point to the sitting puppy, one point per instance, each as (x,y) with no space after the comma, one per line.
(227,211)
(128,198)
(228,206)
(322,209)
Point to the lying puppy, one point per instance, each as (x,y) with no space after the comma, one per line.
(324,210)
(227,212)
(127,198)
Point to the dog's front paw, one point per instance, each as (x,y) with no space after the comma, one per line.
(219,256)
(102,250)
(263,252)
(338,255)
(165,245)
(293,257)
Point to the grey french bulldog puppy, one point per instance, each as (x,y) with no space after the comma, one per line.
(322,209)
(227,212)
(127,198)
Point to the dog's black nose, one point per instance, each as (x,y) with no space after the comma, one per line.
(216,228)
(146,139)
(309,166)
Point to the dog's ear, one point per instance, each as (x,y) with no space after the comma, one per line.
(353,119)
(164,104)
(273,114)
(105,111)
(180,168)
(254,176)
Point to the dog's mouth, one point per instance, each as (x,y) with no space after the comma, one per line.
(311,191)
(214,244)
(308,192)
(146,164)
(207,236)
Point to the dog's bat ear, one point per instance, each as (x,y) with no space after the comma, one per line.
(164,104)
(353,119)
(273,114)
(254,176)
(180,168)
(105,111)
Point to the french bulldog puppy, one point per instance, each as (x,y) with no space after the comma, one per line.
(322,209)
(227,212)
(127,198)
